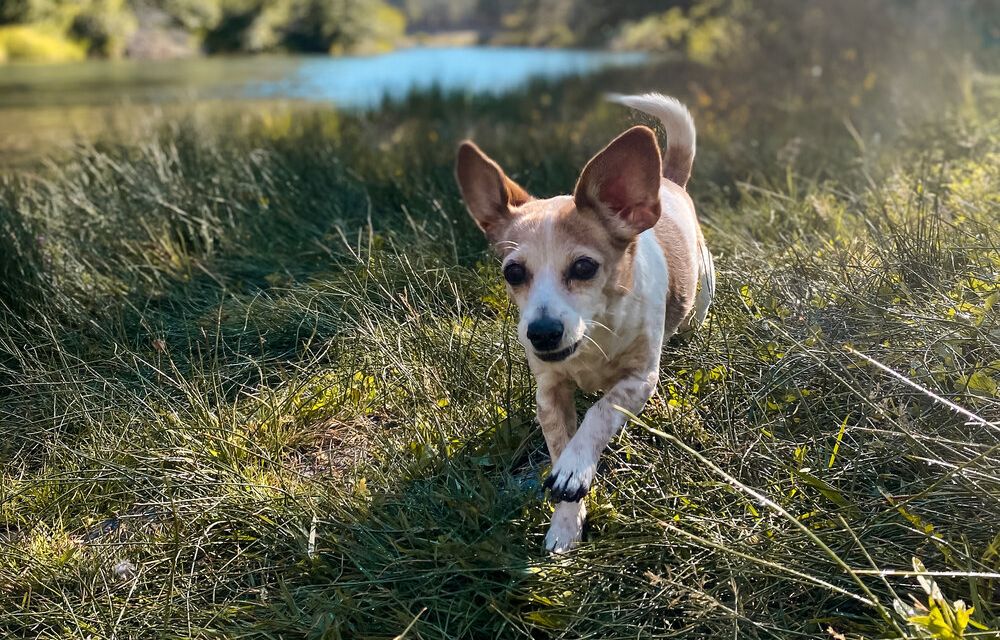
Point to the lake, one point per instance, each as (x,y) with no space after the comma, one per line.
(42,105)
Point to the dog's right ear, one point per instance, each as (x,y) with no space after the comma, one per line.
(622,183)
(488,193)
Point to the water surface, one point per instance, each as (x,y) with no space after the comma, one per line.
(364,82)
(41,105)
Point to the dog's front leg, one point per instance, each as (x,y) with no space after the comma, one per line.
(557,417)
(574,471)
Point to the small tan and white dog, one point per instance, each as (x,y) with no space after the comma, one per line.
(601,278)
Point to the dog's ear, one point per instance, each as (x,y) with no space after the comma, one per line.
(622,183)
(488,193)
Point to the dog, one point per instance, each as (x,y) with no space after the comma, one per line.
(601,278)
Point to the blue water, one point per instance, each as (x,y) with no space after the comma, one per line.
(356,82)
(363,82)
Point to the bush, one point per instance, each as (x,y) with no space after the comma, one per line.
(705,33)
(105,27)
(194,15)
(38,45)
(388,25)
(343,27)
(14,11)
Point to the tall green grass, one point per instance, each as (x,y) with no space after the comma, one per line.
(258,378)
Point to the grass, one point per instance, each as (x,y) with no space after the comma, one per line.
(258,379)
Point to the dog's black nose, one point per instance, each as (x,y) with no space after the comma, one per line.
(545,333)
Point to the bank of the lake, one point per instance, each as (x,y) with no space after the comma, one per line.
(41,105)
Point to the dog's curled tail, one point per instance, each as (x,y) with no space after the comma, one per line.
(679,124)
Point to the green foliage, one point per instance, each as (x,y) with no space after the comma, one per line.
(939,619)
(343,26)
(104,26)
(564,22)
(196,16)
(18,43)
(15,11)
(707,32)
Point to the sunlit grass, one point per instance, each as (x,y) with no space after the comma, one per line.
(258,379)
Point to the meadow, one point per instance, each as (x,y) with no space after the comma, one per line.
(258,378)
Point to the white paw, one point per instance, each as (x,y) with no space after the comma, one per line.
(571,475)
(566,528)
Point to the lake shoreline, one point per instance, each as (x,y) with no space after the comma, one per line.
(64,104)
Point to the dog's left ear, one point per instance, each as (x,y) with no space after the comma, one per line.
(622,183)
(488,193)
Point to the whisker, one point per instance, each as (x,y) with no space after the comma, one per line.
(594,342)
(594,323)
(601,325)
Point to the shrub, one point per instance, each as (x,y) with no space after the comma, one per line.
(342,27)
(105,27)
(705,33)
(37,44)
(14,11)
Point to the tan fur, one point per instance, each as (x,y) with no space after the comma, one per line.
(620,183)
(682,264)
(487,190)
(574,227)
(679,163)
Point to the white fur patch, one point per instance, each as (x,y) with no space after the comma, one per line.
(653,279)
(566,528)
(574,470)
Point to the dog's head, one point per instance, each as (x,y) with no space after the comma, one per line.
(565,259)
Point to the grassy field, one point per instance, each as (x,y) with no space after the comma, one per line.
(258,378)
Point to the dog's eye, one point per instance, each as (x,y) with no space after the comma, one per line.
(583,269)
(515,274)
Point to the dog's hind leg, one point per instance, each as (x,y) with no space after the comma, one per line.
(706,284)
(705,295)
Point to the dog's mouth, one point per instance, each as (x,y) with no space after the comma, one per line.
(557,356)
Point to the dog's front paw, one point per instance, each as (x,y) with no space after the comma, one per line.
(566,528)
(571,475)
